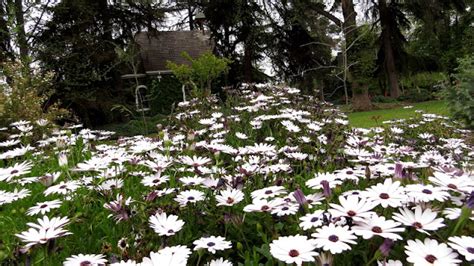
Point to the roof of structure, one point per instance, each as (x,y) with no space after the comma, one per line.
(157,49)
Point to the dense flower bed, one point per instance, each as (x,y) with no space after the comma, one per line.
(268,177)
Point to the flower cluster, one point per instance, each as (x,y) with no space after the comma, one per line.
(277,176)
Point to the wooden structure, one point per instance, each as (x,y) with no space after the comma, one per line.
(156,49)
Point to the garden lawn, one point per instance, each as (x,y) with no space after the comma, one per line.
(376,117)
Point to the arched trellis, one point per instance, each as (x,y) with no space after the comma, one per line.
(143,96)
(142,99)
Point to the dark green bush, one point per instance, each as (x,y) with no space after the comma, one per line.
(423,86)
(383,99)
(420,95)
(461,94)
(165,92)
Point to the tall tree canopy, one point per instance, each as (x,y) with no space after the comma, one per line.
(78,45)
(301,47)
(325,45)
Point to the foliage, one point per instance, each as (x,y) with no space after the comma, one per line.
(201,72)
(363,54)
(26,95)
(461,95)
(300,50)
(165,94)
(80,45)
(383,99)
(243,25)
(441,35)
(424,80)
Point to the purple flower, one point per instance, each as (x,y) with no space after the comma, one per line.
(386,247)
(299,196)
(399,170)
(326,188)
(470,201)
(151,196)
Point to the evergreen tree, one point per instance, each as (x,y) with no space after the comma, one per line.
(78,46)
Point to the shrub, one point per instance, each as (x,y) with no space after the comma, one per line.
(419,95)
(165,93)
(461,95)
(423,86)
(201,73)
(25,96)
(383,99)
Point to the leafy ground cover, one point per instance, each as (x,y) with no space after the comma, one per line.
(395,111)
(270,177)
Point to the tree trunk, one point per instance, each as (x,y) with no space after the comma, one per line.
(349,24)
(5,51)
(190,15)
(247,64)
(360,98)
(389,59)
(360,94)
(21,34)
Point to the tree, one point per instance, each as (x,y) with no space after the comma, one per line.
(78,46)
(355,54)
(241,27)
(443,32)
(301,48)
(360,95)
(5,37)
(21,34)
(391,19)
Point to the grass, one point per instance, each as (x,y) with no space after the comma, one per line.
(135,127)
(374,118)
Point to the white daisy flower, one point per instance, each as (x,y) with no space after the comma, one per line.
(194,161)
(268,192)
(316,182)
(44,207)
(19,169)
(165,225)
(376,225)
(192,180)
(44,230)
(430,252)
(294,249)
(263,205)
(387,194)
(454,183)
(454,213)
(286,209)
(354,207)
(220,262)
(169,256)
(425,193)
(229,197)
(334,239)
(212,244)
(422,221)
(85,259)
(154,180)
(311,220)
(464,245)
(189,196)
(241,135)
(63,188)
